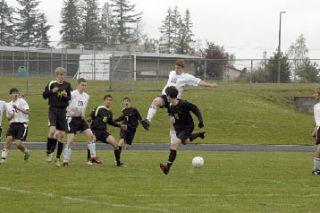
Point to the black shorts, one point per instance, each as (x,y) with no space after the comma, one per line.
(0,132)
(184,134)
(318,136)
(76,124)
(101,135)
(57,118)
(128,135)
(18,131)
(166,103)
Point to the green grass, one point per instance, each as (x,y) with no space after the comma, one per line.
(234,113)
(229,182)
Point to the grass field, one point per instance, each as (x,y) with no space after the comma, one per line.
(233,113)
(228,182)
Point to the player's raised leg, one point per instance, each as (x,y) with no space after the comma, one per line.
(157,102)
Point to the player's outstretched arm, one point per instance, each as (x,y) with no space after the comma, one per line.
(193,108)
(206,84)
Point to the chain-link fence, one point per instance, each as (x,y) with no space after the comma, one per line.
(122,68)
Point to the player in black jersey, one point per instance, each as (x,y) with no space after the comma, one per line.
(59,93)
(183,125)
(101,116)
(130,117)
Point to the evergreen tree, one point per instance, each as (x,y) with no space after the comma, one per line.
(126,20)
(176,28)
(185,35)
(42,38)
(107,23)
(272,68)
(70,32)
(91,30)
(167,37)
(29,23)
(6,25)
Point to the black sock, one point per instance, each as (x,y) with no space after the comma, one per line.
(49,144)
(117,155)
(53,145)
(194,136)
(120,148)
(59,150)
(172,157)
(89,155)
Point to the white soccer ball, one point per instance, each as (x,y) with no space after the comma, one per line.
(197,162)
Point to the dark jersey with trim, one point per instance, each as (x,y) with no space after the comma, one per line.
(56,99)
(101,117)
(130,116)
(182,116)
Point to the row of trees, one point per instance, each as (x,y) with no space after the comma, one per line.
(301,68)
(24,25)
(84,23)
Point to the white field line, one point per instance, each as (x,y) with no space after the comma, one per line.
(226,195)
(81,200)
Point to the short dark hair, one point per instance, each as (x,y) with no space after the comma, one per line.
(80,80)
(12,90)
(127,98)
(107,96)
(172,92)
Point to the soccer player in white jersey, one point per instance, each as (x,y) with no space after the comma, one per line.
(18,115)
(179,79)
(2,109)
(316,133)
(76,122)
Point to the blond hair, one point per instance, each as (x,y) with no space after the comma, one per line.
(60,71)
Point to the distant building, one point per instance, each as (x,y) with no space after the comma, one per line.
(231,73)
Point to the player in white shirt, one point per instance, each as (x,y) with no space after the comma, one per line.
(2,109)
(76,122)
(18,115)
(179,79)
(316,133)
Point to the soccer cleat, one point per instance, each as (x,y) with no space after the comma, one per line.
(146,124)
(164,169)
(201,134)
(316,172)
(3,161)
(120,164)
(58,163)
(49,158)
(65,164)
(89,163)
(26,156)
(95,160)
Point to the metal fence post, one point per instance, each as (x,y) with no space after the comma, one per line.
(251,69)
(205,70)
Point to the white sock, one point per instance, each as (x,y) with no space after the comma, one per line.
(92,149)
(4,154)
(173,136)
(316,163)
(151,112)
(67,155)
(25,150)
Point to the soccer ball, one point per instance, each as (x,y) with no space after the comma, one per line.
(197,162)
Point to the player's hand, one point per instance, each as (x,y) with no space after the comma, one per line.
(72,114)
(314,136)
(14,106)
(200,125)
(89,119)
(83,116)
(22,96)
(64,93)
(124,127)
(55,90)
(214,85)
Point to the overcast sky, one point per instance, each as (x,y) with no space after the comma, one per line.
(244,27)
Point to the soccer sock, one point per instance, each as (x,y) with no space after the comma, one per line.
(173,136)
(59,150)
(151,112)
(316,163)
(49,144)
(120,148)
(88,155)
(67,154)
(4,154)
(53,145)
(92,149)
(172,157)
(25,150)
(117,155)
